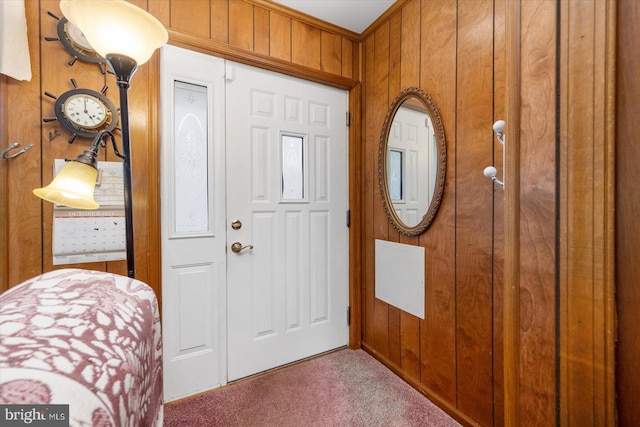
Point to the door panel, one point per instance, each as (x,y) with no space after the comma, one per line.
(193,268)
(287,183)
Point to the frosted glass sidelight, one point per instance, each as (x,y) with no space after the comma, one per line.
(191,169)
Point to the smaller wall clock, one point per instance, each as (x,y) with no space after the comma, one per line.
(84,112)
(76,44)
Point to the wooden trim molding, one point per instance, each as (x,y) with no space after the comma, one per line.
(355,229)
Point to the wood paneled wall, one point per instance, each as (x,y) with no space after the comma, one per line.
(546,67)
(455,52)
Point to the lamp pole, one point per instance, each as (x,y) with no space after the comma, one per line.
(124,67)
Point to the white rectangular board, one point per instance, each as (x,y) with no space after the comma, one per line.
(400,276)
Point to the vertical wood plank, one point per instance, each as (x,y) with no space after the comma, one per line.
(24,218)
(535,189)
(395,338)
(627,246)
(305,45)
(241,24)
(474,216)
(409,75)
(161,9)
(511,300)
(395,56)
(4,190)
(577,331)
(499,99)
(280,36)
(437,331)
(219,20)
(409,70)
(411,52)
(141,165)
(261,30)
(193,19)
(356,63)
(369,182)
(380,222)
(395,325)
(330,52)
(586,279)
(347,57)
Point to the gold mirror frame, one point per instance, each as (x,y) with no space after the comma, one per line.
(434,114)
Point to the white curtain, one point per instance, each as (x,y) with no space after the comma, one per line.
(14,47)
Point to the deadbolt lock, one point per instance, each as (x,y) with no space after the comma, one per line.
(236,224)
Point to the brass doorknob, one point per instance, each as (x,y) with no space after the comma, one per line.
(237,247)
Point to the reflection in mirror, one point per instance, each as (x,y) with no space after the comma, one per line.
(412,161)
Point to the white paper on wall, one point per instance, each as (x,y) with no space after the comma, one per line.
(400,276)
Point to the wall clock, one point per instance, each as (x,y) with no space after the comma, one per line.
(76,44)
(84,112)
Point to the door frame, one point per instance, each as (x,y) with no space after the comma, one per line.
(355,181)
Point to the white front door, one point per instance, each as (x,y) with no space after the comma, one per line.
(287,199)
(193,230)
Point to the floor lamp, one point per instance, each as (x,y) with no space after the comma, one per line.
(126,36)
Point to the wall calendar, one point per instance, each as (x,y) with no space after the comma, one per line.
(81,236)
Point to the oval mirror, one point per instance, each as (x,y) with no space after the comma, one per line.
(412,161)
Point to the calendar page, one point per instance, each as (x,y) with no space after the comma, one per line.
(81,236)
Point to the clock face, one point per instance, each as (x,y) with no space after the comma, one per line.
(77,37)
(85,111)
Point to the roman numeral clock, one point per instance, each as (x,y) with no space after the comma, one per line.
(83,112)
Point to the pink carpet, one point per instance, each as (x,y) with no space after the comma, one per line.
(344,388)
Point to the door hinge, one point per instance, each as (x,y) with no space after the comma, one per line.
(348,119)
(348,315)
(348,218)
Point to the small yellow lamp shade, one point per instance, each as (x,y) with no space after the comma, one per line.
(116,27)
(72,187)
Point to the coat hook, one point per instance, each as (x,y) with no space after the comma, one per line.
(491,171)
(13,146)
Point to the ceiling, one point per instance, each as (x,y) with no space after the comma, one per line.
(354,15)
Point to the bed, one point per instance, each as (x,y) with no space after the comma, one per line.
(85,338)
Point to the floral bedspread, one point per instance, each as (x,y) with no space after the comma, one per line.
(84,338)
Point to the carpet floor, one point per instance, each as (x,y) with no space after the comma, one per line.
(343,388)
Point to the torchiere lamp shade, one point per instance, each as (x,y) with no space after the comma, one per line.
(116,27)
(72,187)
